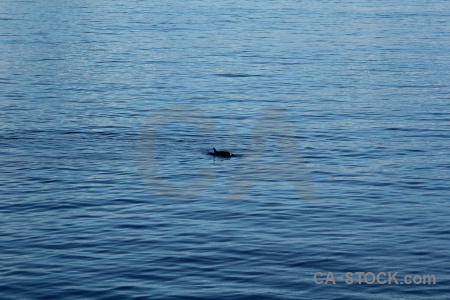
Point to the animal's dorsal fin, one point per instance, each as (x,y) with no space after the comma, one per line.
(215,151)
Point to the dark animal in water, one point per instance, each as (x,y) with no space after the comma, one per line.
(220,153)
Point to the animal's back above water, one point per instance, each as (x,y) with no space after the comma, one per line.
(220,153)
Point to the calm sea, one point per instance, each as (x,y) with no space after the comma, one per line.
(338,113)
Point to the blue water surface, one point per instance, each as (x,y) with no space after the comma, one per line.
(338,113)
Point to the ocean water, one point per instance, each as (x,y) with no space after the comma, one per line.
(338,113)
